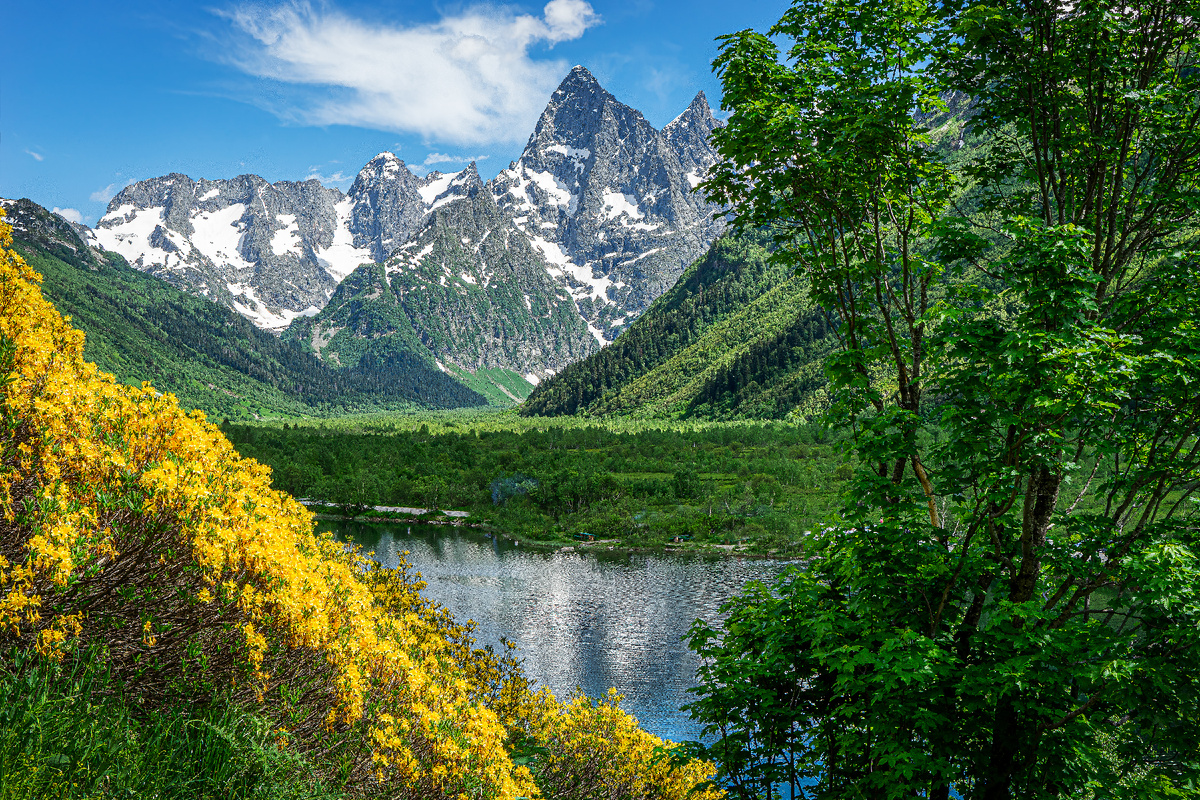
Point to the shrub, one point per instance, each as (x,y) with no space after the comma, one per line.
(592,750)
(132,529)
(132,524)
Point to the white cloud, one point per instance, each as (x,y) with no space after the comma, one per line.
(314,173)
(109,192)
(443,158)
(465,79)
(36,156)
(69,214)
(568,19)
(105,194)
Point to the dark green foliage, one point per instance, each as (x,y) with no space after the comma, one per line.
(1009,608)
(771,377)
(735,338)
(767,484)
(140,328)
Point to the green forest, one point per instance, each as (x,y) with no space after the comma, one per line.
(736,338)
(755,488)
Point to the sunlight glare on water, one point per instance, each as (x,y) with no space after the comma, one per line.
(590,619)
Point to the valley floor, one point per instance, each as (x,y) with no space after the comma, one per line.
(758,488)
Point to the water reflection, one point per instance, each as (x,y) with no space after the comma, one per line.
(590,619)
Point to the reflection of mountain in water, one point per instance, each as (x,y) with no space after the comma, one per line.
(590,620)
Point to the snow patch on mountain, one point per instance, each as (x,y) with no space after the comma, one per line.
(618,203)
(286,239)
(341,257)
(219,236)
(431,191)
(138,235)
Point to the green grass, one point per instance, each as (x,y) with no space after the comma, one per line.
(66,731)
(503,388)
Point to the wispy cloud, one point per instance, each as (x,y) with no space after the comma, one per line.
(314,173)
(69,214)
(36,156)
(443,158)
(435,159)
(109,192)
(465,79)
(105,194)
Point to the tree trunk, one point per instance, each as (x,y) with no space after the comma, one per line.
(997,779)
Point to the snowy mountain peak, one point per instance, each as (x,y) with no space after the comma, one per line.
(387,205)
(251,245)
(579,81)
(607,199)
(599,204)
(385,157)
(385,166)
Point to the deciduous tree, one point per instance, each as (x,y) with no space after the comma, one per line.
(1011,605)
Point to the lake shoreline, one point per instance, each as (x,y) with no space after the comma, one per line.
(603,545)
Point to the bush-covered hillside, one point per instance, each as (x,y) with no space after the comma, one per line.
(150,576)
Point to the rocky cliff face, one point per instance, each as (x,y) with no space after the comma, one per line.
(607,199)
(690,136)
(269,251)
(386,206)
(528,272)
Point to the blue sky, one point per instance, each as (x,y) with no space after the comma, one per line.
(97,95)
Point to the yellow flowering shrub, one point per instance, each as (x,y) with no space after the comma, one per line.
(129,523)
(595,751)
(126,521)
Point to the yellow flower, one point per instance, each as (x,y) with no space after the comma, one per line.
(112,481)
(148,637)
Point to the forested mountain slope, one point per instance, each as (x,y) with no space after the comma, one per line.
(140,328)
(602,196)
(468,295)
(736,337)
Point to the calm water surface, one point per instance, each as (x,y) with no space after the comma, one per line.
(590,620)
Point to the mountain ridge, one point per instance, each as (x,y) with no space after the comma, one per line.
(524,273)
(275,251)
(140,328)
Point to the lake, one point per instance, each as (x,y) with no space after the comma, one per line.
(589,619)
